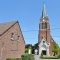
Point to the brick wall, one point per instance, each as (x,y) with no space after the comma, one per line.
(9,48)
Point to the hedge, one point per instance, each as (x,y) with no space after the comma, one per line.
(53,57)
(13,59)
(28,57)
(58,56)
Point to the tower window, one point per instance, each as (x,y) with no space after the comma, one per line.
(44,25)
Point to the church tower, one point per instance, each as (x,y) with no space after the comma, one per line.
(44,27)
(44,37)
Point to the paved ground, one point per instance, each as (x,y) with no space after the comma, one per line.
(37,58)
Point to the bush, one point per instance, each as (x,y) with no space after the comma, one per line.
(13,59)
(41,55)
(59,56)
(27,57)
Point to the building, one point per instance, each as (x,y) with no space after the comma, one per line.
(45,40)
(11,40)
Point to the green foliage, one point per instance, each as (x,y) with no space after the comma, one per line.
(26,50)
(30,47)
(41,55)
(50,57)
(27,57)
(59,56)
(13,59)
(55,48)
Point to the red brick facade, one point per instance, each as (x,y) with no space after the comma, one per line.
(46,33)
(11,47)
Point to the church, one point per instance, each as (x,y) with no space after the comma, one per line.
(45,40)
(12,42)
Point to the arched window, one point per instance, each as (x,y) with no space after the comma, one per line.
(18,38)
(44,25)
(12,36)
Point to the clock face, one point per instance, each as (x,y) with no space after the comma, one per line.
(43,20)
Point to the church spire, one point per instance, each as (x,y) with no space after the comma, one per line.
(44,11)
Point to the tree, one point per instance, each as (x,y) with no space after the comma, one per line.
(27,47)
(55,48)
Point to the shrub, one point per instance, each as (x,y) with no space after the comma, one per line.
(13,59)
(41,55)
(27,57)
(58,56)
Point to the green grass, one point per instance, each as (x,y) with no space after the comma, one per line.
(50,57)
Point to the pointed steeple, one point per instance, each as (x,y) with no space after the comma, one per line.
(44,11)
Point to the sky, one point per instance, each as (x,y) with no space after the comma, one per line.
(28,13)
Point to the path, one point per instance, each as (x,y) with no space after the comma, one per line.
(37,57)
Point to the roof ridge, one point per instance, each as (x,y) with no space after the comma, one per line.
(8,22)
(5,26)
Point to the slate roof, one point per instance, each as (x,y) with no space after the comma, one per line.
(5,26)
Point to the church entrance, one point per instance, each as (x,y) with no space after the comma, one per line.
(44,52)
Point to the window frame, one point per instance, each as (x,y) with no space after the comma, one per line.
(44,25)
